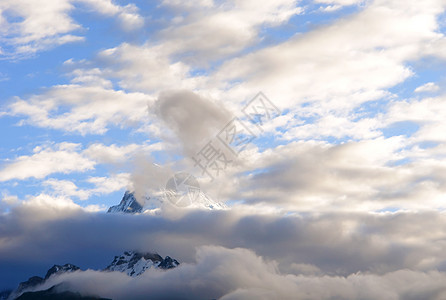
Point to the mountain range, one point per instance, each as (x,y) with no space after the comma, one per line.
(132,263)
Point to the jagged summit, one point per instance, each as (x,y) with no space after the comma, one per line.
(199,200)
(128,204)
(134,263)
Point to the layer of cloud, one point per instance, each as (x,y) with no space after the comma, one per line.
(221,273)
(44,230)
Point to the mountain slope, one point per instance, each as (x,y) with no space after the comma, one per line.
(37,280)
(53,294)
(54,270)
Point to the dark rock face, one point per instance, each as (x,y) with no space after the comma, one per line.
(56,269)
(128,204)
(168,263)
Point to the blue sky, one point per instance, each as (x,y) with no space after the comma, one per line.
(99,96)
(102,48)
(99,45)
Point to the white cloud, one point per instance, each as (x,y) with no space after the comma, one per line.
(106,185)
(427,87)
(340,2)
(193,4)
(225,29)
(128,15)
(29,26)
(428,113)
(66,188)
(102,186)
(341,65)
(114,154)
(207,33)
(69,157)
(147,68)
(59,158)
(367,175)
(84,115)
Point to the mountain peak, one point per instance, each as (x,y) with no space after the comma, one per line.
(134,263)
(57,269)
(198,199)
(128,204)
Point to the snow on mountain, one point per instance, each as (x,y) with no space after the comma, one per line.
(197,199)
(134,263)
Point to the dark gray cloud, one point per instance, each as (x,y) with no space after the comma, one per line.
(36,237)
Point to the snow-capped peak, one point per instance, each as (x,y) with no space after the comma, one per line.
(198,200)
(128,204)
(134,263)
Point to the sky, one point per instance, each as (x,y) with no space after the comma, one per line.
(324,119)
